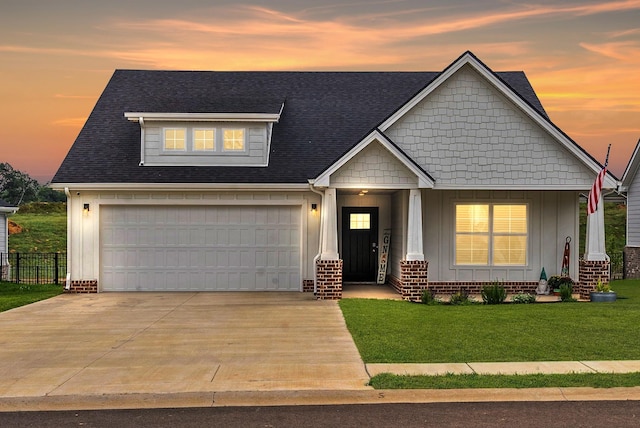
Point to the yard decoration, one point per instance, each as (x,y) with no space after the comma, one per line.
(543,286)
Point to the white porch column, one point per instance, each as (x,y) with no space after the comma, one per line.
(594,245)
(414,227)
(329,226)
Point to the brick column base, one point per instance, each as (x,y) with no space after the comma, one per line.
(329,283)
(413,279)
(307,285)
(83,286)
(592,271)
(631,264)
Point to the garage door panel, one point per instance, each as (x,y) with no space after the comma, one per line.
(200,248)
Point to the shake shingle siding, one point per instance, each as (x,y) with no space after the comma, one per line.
(325,114)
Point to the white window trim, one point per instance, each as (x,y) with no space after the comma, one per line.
(491,234)
(164,139)
(244,140)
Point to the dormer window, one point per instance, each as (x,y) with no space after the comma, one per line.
(204,140)
(234,139)
(174,139)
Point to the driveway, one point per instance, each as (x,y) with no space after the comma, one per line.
(122,343)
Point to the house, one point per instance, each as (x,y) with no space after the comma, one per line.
(289,181)
(5,210)
(631,186)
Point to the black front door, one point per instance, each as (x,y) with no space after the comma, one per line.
(359,243)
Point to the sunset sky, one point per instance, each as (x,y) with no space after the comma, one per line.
(582,57)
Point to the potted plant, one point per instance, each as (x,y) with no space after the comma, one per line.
(603,293)
(556,282)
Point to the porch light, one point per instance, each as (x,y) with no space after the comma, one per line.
(363,192)
(314,208)
(85,209)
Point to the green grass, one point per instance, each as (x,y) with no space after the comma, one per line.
(14,295)
(451,381)
(41,232)
(388,331)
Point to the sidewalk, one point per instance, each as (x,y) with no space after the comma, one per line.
(538,367)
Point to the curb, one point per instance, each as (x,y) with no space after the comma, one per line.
(310,398)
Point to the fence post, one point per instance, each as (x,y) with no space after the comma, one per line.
(17,268)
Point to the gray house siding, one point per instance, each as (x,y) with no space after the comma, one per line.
(255,152)
(467,133)
(633,214)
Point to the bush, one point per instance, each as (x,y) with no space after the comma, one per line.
(460,297)
(493,294)
(566,291)
(524,298)
(429,297)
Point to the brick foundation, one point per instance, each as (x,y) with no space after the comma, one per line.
(631,263)
(413,279)
(83,286)
(475,287)
(307,285)
(329,282)
(590,273)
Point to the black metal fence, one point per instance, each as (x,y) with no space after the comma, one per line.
(33,268)
(617,265)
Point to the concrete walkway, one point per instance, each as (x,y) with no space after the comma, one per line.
(136,343)
(144,350)
(507,368)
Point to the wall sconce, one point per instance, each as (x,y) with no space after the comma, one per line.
(314,208)
(85,209)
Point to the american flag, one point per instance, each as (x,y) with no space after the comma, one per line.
(596,190)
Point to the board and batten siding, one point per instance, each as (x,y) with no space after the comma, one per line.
(633,213)
(256,151)
(553,215)
(84,232)
(467,133)
(4,233)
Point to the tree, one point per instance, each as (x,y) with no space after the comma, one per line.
(16,187)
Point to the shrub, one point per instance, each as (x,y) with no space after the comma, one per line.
(566,291)
(524,298)
(493,294)
(460,297)
(603,287)
(429,297)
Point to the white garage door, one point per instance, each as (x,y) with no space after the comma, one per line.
(165,248)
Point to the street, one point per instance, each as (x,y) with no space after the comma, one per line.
(499,414)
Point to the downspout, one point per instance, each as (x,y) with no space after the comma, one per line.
(142,142)
(67,284)
(317,257)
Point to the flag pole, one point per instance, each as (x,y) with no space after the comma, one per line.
(606,161)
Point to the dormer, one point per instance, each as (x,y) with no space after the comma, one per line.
(207,138)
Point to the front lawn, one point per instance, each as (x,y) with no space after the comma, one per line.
(387,331)
(13,295)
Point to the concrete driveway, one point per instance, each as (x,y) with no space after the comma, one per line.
(127,343)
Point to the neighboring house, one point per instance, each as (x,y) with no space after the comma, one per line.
(184,180)
(631,186)
(5,210)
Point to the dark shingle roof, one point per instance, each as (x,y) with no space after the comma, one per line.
(325,114)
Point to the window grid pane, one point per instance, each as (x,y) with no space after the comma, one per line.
(359,221)
(204,139)
(234,139)
(507,238)
(174,139)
